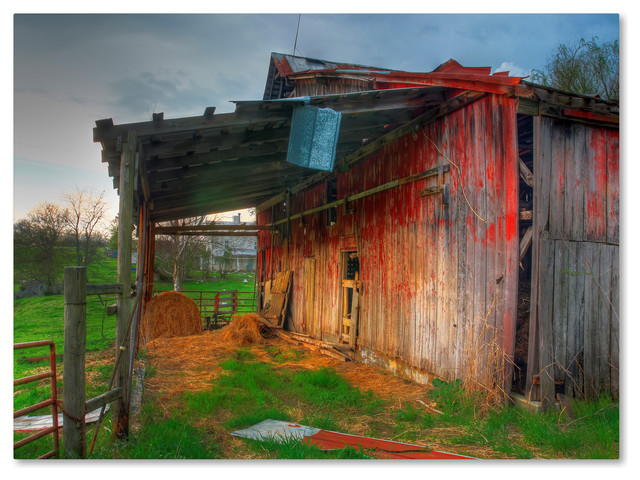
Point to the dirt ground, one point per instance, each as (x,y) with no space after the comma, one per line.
(191,363)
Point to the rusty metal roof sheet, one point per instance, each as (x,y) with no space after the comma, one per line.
(289,68)
(280,431)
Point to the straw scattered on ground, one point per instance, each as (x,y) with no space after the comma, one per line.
(192,364)
(243,330)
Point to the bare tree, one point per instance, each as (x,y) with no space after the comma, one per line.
(586,67)
(175,253)
(41,232)
(87,213)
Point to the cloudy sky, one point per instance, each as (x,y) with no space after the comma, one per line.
(71,70)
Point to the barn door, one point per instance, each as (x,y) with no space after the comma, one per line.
(350,297)
(309,295)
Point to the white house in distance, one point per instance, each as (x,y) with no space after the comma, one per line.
(232,253)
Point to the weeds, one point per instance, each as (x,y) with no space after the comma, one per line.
(521,434)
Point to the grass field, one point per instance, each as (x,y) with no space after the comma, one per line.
(256,383)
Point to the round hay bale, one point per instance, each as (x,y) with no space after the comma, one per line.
(243,330)
(170,314)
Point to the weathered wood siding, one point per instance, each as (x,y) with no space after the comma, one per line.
(576,259)
(438,281)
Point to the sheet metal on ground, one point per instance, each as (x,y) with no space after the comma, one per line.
(328,440)
(40,422)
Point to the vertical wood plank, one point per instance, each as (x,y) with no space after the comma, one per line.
(575,319)
(556,153)
(541,177)
(468,219)
(613,188)
(614,347)
(576,147)
(545,318)
(459,217)
(494,299)
(590,272)
(478,200)
(451,245)
(604,316)
(560,308)
(309,296)
(73,375)
(125,215)
(421,254)
(431,266)
(595,191)
(508,228)
(444,351)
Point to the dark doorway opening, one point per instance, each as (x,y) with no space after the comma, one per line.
(350,296)
(526,212)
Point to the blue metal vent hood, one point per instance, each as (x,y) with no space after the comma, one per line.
(314,137)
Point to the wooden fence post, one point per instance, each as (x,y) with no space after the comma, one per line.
(125,215)
(73,376)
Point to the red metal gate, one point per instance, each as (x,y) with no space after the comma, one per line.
(53,401)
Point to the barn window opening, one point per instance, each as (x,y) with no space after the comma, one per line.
(350,294)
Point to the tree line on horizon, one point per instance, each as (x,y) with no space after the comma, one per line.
(56,235)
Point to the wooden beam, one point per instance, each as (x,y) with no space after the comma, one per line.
(525,173)
(202,188)
(596,117)
(143,176)
(250,167)
(525,242)
(279,198)
(211,227)
(247,197)
(73,375)
(217,234)
(432,172)
(125,226)
(101,400)
(186,125)
(103,288)
(207,208)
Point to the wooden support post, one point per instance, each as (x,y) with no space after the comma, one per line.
(127,170)
(73,376)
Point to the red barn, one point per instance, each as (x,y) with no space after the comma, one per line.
(467,227)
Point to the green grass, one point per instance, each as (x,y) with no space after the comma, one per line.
(250,391)
(233,281)
(172,438)
(517,433)
(295,450)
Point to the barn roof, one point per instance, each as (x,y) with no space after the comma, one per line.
(285,70)
(219,162)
